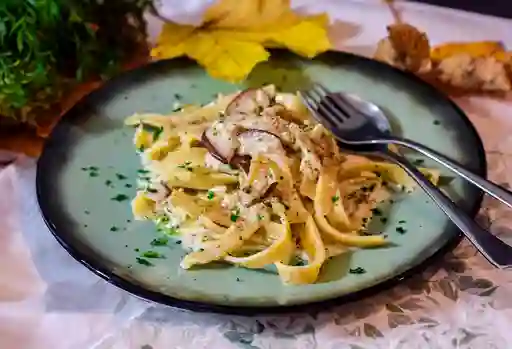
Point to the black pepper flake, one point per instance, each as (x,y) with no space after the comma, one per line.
(357,270)
(383,219)
(437,122)
(114,228)
(238,280)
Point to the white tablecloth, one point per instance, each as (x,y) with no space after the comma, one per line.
(48,300)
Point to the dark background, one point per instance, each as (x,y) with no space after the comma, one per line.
(500,8)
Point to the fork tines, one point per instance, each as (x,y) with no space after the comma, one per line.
(328,108)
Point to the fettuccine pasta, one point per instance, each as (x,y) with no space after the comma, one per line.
(251,180)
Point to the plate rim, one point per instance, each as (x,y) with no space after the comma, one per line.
(141,292)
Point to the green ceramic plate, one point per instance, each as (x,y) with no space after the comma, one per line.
(89,168)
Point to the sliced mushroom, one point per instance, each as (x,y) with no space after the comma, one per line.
(221,141)
(158,191)
(242,162)
(249,101)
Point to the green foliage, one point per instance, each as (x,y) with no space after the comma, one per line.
(46,45)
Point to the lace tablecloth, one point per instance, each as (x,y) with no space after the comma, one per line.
(47,300)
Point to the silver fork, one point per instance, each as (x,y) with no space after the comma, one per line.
(350,127)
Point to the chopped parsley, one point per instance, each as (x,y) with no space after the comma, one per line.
(114,228)
(357,270)
(235,215)
(108,182)
(401,230)
(298,261)
(152,254)
(335,198)
(401,222)
(437,122)
(121,176)
(418,162)
(141,171)
(120,197)
(383,220)
(186,166)
(93,174)
(210,195)
(155,130)
(143,261)
(161,241)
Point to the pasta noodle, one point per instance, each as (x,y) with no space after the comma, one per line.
(251,180)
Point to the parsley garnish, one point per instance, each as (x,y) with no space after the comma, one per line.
(120,197)
(151,254)
(235,215)
(357,270)
(335,198)
(143,261)
(401,230)
(186,166)
(161,241)
(210,195)
(155,130)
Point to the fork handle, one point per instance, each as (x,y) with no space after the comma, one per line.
(491,247)
(496,191)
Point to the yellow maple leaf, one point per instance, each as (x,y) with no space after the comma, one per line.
(225,58)
(307,38)
(232,39)
(171,40)
(249,14)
